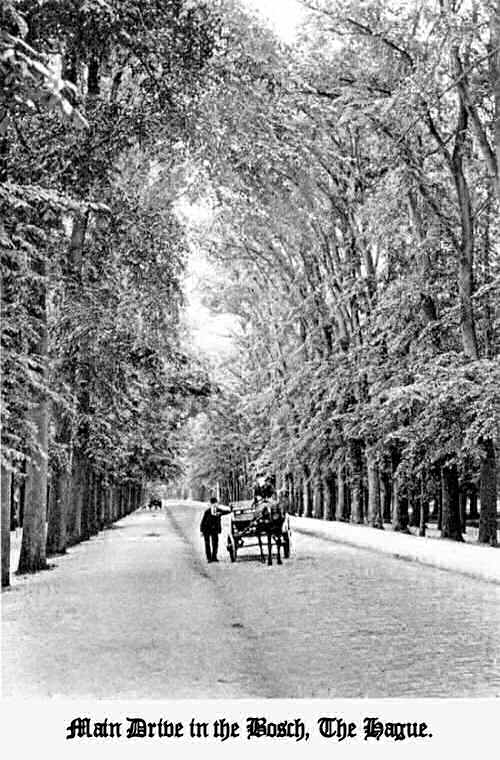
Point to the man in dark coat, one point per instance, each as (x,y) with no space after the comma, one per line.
(210,528)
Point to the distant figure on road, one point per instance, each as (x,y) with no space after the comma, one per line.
(210,528)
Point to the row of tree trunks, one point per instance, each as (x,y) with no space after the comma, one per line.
(231,490)
(100,505)
(79,505)
(374,496)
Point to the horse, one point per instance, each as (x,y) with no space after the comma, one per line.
(270,523)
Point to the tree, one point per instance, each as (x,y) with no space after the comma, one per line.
(367,327)
(77,279)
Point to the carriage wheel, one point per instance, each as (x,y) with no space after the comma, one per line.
(286,545)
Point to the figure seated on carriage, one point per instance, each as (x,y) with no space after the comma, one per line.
(265,515)
(272,520)
(154,502)
(264,488)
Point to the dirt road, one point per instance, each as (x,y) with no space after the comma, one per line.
(138,613)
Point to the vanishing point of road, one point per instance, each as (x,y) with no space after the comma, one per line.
(137,613)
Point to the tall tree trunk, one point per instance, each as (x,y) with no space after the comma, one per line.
(299,496)
(108,508)
(462,502)
(75,512)
(428,304)
(6,500)
(329,497)
(488,497)
(399,501)
(79,513)
(60,501)
(374,504)
(94,501)
(318,496)
(290,489)
(494,50)
(466,254)
(386,496)
(115,495)
(439,502)
(14,506)
(308,496)
(488,300)
(356,482)
(85,484)
(22,495)
(424,510)
(56,527)
(123,496)
(33,544)
(399,508)
(450,518)
(117,503)
(341,513)
(101,503)
(464,244)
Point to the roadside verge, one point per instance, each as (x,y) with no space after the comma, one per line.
(482,562)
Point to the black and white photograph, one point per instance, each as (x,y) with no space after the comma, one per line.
(250,255)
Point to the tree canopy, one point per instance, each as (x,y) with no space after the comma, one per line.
(355,179)
(353,182)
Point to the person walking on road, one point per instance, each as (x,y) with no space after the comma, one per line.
(210,528)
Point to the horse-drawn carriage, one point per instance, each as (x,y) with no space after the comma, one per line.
(254,525)
(263,518)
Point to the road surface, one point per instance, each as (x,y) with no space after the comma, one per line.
(137,613)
